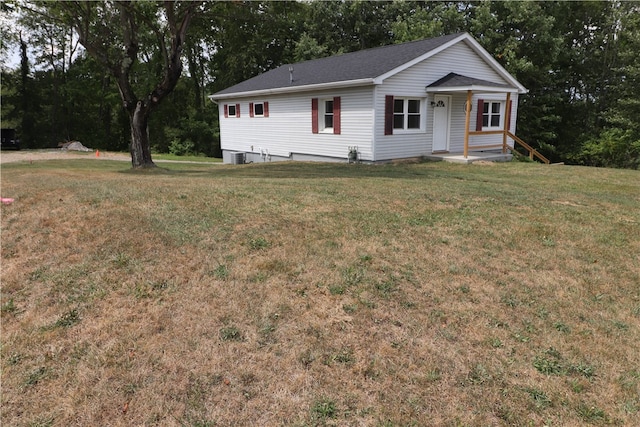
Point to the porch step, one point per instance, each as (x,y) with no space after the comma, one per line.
(459,157)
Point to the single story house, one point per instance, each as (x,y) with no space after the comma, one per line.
(444,96)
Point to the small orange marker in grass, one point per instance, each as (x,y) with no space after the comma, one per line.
(97,153)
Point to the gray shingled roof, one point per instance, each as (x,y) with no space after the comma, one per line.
(457,80)
(363,64)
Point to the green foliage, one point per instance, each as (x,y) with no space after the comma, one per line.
(591,414)
(36,376)
(342,27)
(231,333)
(344,355)
(221,272)
(323,409)
(191,134)
(478,375)
(548,365)
(308,48)
(9,307)
(181,147)
(539,397)
(259,243)
(551,362)
(613,148)
(68,319)
(250,38)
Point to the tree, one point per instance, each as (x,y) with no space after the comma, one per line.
(340,27)
(57,47)
(618,144)
(250,38)
(118,35)
(26,98)
(308,48)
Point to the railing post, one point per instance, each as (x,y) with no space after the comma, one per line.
(532,151)
(507,111)
(467,121)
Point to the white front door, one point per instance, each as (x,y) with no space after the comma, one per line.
(441,112)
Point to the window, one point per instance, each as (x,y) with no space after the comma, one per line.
(413,114)
(325,115)
(406,113)
(328,115)
(398,114)
(491,114)
(232,110)
(259,109)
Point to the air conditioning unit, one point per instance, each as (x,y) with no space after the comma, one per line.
(237,158)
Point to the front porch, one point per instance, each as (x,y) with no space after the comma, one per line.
(492,139)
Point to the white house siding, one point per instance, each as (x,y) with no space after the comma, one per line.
(412,82)
(287,130)
(457,121)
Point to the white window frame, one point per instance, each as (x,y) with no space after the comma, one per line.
(405,121)
(322,113)
(255,109)
(488,103)
(235,112)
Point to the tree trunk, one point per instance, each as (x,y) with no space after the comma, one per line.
(140,147)
(195,77)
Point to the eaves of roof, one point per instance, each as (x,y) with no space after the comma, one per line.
(296,89)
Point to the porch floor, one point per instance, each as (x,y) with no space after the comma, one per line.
(486,156)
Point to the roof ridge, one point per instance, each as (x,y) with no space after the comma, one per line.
(370,49)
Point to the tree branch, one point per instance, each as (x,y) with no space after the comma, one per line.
(177,30)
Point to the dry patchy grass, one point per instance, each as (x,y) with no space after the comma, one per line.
(314,294)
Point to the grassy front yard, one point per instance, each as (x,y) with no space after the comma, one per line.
(320,294)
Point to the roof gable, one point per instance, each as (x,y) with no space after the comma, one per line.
(458,82)
(369,66)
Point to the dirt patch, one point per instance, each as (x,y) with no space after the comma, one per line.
(58,154)
(566,203)
(484,163)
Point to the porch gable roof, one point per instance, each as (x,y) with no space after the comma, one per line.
(453,82)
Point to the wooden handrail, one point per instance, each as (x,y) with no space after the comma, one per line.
(484,147)
(486,132)
(532,151)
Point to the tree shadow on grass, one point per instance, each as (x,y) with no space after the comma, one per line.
(303,170)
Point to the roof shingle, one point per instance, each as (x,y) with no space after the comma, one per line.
(363,64)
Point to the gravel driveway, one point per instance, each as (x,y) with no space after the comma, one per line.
(57,154)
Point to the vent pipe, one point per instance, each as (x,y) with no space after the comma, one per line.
(290,74)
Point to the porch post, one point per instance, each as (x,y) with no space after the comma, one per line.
(467,120)
(507,111)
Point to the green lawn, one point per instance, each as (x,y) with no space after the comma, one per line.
(320,294)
